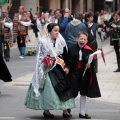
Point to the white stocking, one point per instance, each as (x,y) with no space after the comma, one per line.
(82,104)
(47,112)
(65,112)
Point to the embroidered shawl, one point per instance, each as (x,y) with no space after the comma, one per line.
(45,47)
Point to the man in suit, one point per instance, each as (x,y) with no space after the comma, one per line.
(20,30)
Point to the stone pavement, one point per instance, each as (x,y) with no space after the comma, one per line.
(105,107)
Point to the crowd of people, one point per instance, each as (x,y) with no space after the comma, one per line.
(62,43)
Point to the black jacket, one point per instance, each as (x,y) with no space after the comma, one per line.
(60,80)
(87,84)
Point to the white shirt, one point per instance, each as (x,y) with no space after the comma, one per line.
(20,16)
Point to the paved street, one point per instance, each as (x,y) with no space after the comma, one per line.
(13,94)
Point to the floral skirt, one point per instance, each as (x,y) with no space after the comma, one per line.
(48,99)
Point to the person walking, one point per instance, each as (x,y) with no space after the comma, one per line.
(6,26)
(116,38)
(82,74)
(32,37)
(108,24)
(20,31)
(50,87)
(91,30)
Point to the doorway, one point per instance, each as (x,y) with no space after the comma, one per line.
(75,6)
(98,5)
(44,5)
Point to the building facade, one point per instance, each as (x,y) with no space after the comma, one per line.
(73,5)
(44,5)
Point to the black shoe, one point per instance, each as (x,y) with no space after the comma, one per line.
(69,111)
(50,116)
(29,54)
(117,70)
(85,117)
(7,59)
(67,115)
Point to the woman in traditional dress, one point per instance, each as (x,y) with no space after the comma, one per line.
(32,37)
(50,88)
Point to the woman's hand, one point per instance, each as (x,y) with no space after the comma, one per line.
(32,24)
(66,70)
(88,65)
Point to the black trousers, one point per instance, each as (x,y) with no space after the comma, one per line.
(6,50)
(116,48)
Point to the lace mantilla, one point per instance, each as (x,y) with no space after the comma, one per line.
(45,47)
